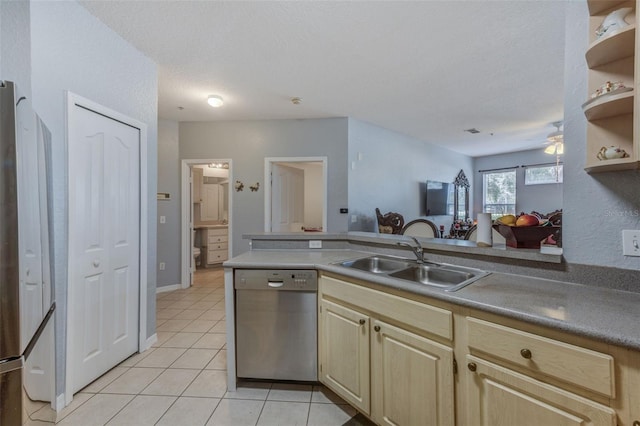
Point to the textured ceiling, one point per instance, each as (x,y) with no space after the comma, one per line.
(428,69)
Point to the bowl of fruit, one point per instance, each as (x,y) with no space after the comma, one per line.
(524,231)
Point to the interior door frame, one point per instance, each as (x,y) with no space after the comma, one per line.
(185,200)
(144,342)
(268,168)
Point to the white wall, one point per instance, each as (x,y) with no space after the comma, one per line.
(247,143)
(389,170)
(15,44)
(598,206)
(72,50)
(541,198)
(169,181)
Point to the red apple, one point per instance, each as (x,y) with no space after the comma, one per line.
(527,220)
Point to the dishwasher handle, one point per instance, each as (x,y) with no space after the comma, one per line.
(275,284)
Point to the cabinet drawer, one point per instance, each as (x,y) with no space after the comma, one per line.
(569,363)
(217,231)
(431,319)
(213,239)
(217,246)
(216,256)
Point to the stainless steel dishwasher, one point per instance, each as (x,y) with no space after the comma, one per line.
(276,324)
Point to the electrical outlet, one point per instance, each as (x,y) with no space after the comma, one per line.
(315,244)
(162,265)
(631,242)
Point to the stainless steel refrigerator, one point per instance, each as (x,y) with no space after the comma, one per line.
(26,291)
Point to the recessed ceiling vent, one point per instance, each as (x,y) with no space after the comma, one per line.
(472,130)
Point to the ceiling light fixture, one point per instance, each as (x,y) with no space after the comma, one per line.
(555,141)
(215,101)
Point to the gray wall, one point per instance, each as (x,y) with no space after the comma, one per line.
(392,173)
(598,206)
(541,198)
(247,143)
(169,181)
(15,44)
(71,50)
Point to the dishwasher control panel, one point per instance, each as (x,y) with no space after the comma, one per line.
(276,279)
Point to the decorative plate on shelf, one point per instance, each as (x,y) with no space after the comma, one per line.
(607,94)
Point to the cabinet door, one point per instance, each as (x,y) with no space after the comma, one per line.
(209,208)
(344,353)
(412,379)
(499,396)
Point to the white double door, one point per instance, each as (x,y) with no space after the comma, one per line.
(104,243)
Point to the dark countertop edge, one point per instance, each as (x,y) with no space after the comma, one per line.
(438,244)
(456,298)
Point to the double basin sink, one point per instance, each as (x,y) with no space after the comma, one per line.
(440,275)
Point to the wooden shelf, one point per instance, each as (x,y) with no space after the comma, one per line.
(609,106)
(613,165)
(618,45)
(598,6)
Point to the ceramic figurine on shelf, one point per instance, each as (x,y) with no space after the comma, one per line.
(611,153)
(613,22)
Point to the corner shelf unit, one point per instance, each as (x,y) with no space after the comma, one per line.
(613,119)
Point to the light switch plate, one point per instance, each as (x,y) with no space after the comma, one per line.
(631,242)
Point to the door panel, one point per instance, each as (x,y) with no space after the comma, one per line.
(412,378)
(104,217)
(344,354)
(499,396)
(287,198)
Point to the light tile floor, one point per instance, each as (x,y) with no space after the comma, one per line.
(182,379)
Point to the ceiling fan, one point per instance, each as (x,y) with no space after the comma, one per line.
(555,141)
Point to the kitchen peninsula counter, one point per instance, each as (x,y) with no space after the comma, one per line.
(607,315)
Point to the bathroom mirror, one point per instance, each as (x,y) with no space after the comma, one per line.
(461,197)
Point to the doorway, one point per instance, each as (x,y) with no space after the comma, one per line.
(206,214)
(296,194)
(107,214)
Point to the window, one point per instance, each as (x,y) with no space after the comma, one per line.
(499,193)
(538,175)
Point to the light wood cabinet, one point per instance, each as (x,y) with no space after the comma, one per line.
(411,378)
(499,396)
(385,367)
(344,357)
(612,118)
(196,184)
(392,355)
(216,245)
(517,377)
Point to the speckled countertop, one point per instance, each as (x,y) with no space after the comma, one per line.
(602,314)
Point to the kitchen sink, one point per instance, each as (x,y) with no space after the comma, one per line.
(441,275)
(377,264)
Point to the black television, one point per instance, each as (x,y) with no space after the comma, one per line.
(439,198)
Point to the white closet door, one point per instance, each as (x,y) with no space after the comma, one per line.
(104,238)
(287,198)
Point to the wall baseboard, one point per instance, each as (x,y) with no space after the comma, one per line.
(166,288)
(150,341)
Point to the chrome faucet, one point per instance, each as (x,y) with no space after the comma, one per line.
(417,249)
